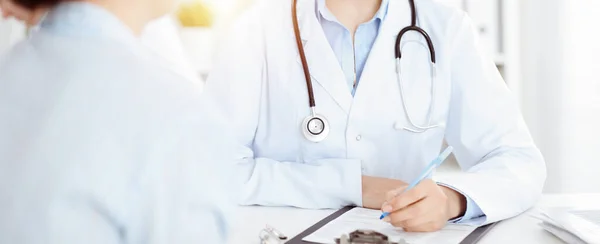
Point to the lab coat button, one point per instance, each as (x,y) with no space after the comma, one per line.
(358,138)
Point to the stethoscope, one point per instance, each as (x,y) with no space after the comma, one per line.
(315,127)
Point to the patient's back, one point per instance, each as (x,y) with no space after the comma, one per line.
(100,144)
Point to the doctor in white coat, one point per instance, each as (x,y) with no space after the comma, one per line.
(99,143)
(373,149)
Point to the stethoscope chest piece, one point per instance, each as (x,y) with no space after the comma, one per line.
(315,128)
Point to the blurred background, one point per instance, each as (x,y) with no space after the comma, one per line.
(547,50)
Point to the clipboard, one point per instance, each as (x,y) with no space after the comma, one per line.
(472,238)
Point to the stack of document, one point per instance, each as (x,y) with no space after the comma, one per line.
(573,226)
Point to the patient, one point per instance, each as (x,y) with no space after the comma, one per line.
(160,35)
(98,142)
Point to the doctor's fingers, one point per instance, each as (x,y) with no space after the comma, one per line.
(390,195)
(418,221)
(425,208)
(422,190)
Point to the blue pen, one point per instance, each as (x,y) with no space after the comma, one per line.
(434,164)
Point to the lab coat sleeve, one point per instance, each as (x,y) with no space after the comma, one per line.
(472,211)
(236,84)
(505,172)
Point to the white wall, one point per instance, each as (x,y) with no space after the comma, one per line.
(582,95)
(561,88)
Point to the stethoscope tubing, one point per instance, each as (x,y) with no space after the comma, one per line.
(309,86)
(398,55)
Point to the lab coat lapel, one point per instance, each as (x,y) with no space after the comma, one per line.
(380,66)
(323,64)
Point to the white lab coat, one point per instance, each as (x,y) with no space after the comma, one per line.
(260,85)
(100,144)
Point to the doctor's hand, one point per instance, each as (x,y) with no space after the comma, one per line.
(425,208)
(375,190)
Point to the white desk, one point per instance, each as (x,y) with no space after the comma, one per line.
(291,221)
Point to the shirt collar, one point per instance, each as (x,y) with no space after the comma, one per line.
(324,12)
(86,20)
(383,9)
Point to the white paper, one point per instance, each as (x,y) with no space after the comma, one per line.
(580,223)
(367,219)
(561,233)
(592,216)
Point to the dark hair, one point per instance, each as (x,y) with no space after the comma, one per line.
(34,4)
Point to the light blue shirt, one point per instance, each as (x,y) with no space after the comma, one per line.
(352,56)
(99,143)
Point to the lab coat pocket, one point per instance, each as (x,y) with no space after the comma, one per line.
(415,151)
(311,152)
